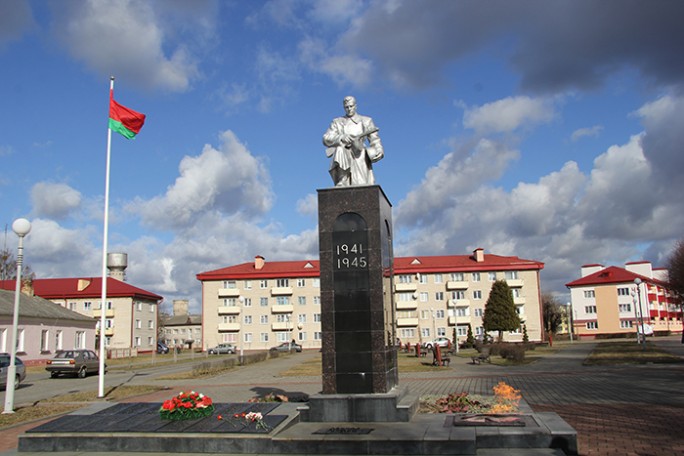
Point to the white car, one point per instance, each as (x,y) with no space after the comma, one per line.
(443,342)
(222,349)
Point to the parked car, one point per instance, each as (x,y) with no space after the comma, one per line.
(76,362)
(222,349)
(443,342)
(286,347)
(5,359)
(162,348)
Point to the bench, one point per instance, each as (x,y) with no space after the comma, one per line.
(482,357)
(445,361)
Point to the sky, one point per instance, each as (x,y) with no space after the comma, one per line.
(548,130)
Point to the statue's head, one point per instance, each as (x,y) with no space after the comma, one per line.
(349,104)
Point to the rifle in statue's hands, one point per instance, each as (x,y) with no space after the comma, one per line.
(360,137)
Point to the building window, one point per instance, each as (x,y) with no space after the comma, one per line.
(317,318)
(301,300)
(79,339)
(263,301)
(263,284)
(461,330)
(45,340)
(475,276)
(282,283)
(152,308)
(150,341)
(462,311)
(477,294)
(590,309)
(247,338)
(404,297)
(301,318)
(88,305)
(138,324)
(283,300)
(516,292)
(316,282)
(407,333)
(150,324)
(72,306)
(457,277)
(592,325)
(282,318)
(511,275)
(439,313)
(301,283)
(248,284)
(138,341)
(623,291)
(626,324)
(230,319)
(317,300)
(423,279)
(439,296)
(425,332)
(138,306)
(441,332)
(459,294)
(247,302)
(263,337)
(282,336)
(478,311)
(491,276)
(625,308)
(425,315)
(302,336)
(405,278)
(59,337)
(230,302)
(229,284)
(248,319)
(423,296)
(589,294)
(318,335)
(438,278)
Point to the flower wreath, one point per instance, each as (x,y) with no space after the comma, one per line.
(187,406)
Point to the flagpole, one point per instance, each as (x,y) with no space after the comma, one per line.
(101,371)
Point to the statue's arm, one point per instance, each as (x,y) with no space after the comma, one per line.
(375,150)
(333,136)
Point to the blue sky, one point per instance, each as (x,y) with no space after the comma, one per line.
(547,130)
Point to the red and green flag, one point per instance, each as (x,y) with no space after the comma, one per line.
(124,120)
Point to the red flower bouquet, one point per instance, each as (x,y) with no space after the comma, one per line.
(187,406)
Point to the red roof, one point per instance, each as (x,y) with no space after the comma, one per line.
(91,288)
(402,265)
(612,275)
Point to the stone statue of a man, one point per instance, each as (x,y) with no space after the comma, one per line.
(354,145)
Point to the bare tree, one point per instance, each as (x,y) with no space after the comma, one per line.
(8,267)
(675,271)
(553,314)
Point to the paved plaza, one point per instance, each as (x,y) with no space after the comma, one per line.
(616,410)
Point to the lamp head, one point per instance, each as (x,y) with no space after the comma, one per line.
(21,227)
(637,281)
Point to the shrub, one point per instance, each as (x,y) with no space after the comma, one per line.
(513,352)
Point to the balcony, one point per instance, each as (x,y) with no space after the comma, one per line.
(109,313)
(459,320)
(228,310)
(228,327)
(515,283)
(456,285)
(228,293)
(109,331)
(281,291)
(407,305)
(404,322)
(518,301)
(288,308)
(281,326)
(459,303)
(405,287)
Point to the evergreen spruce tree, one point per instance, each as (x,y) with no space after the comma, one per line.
(526,338)
(470,340)
(500,314)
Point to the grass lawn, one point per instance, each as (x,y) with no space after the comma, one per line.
(628,352)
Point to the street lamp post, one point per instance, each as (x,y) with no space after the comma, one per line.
(641,338)
(570,325)
(21,227)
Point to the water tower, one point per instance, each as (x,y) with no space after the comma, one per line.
(117,264)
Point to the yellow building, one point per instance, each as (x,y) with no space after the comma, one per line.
(260,304)
(607,301)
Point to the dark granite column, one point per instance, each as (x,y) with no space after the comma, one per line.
(357,303)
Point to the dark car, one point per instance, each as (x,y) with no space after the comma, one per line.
(5,359)
(286,347)
(162,348)
(222,349)
(75,362)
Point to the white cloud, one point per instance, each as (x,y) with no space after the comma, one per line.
(509,114)
(585,132)
(125,38)
(228,180)
(54,200)
(15,20)
(344,69)
(335,11)
(308,205)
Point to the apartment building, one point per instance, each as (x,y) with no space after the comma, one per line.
(607,300)
(260,304)
(182,329)
(130,312)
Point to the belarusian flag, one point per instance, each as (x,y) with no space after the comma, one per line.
(124,120)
